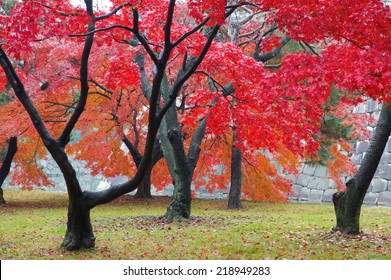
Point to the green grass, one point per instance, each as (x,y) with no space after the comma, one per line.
(33,224)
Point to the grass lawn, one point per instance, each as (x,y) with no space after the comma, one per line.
(33,224)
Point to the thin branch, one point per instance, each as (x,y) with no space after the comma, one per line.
(101,86)
(62,13)
(250,17)
(194,30)
(143,41)
(60,104)
(103,29)
(311,49)
(252,32)
(114,11)
(223,89)
(99,93)
(54,121)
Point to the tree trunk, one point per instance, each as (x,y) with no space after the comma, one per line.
(2,200)
(181,167)
(6,166)
(79,232)
(144,189)
(180,205)
(235,190)
(347,204)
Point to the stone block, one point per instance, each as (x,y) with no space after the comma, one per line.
(388,147)
(326,183)
(356,159)
(362,147)
(291,177)
(303,180)
(371,198)
(372,106)
(320,171)
(332,184)
(309,170)
(384,198)
(313,183)
(386,157)
(117,179)
(166,192)
(315,196)
(170,187)
(379,185)
(328,195)
(360,108)
(386,172)
(43,163)
(294,195)
(375,114)
(304,194)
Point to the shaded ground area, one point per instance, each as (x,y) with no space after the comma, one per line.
(33,223)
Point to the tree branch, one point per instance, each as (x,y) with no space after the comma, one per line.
(272,54)
(65,136)
(114,11)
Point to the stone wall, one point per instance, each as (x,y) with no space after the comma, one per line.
(314,186)
(49,166)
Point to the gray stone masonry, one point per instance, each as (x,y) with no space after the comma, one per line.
(313,185)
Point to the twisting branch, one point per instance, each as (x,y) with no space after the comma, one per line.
(114,11)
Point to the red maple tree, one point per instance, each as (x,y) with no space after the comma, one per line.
(50,45)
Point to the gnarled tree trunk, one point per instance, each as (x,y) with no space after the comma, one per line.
(180,206)
(79,233)
(347,204)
